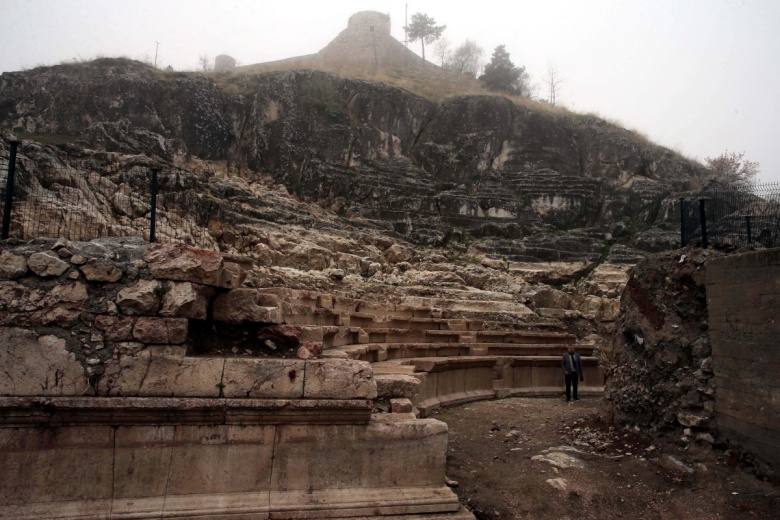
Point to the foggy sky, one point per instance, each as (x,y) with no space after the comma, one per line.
(699,76)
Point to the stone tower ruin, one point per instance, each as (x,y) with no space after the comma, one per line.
(224,63)
(367,41)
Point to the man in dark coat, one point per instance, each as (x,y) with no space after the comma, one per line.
(572,371)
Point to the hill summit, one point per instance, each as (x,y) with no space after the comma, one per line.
(366,42)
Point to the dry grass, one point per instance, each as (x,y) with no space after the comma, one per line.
(430,82)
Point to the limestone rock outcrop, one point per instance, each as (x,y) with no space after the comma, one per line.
(516,181)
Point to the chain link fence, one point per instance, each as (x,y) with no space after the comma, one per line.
(733,217)
(49,199)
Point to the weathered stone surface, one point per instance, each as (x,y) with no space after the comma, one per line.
(694,420)
(38,365)
(160,330)
(309,350)
(23,305)
(188,264)
(101,271)
(285,336)
(115,328)
(549,298)
(675,466)
(232,275)
(140,299)
(398,253)
(245,305)
(401,405)
(186,300)
(46,265)
(559,459)
(160,371)
(561,484)
(263,378)
(12,266)
(339,379)
(396,385)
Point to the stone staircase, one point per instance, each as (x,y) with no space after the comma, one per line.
(437,360)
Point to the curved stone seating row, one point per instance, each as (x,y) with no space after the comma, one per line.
(454,360)
(377,352)
(448,381)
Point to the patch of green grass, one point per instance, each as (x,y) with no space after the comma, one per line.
(161,290)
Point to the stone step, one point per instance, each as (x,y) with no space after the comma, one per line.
(373,321)
(380,352)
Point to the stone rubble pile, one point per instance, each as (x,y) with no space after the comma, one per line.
(659,370)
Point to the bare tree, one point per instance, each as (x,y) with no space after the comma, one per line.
(466,59)
(205,64)
(442,50)
(552,82)
(733,168)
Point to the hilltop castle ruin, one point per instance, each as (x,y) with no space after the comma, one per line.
(366,42)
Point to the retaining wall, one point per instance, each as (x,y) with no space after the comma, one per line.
(743,296)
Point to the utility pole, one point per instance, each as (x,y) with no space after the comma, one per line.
(155,53)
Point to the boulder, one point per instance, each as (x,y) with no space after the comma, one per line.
(12,266)
(45,265)
(246,305)
(186,300)
(101,271)
(398,253)
(141,299)
(189,264)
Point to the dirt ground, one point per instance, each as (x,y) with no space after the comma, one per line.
(542,458)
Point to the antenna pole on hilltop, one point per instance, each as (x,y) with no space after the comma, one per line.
(406,32)
(155,53)
(406,25)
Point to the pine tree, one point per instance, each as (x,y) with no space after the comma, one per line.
(501,74)
(424,28)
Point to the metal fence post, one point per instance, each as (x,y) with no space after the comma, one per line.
(153,224)
(9,190)
(683,241)
(703,217)
(749,234)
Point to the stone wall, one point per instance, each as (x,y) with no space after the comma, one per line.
(102,380)
(743,296)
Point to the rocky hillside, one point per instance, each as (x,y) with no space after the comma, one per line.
(515,182)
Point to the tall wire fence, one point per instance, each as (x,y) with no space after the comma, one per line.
(733,217)
(95,200)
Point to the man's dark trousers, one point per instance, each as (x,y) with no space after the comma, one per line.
(571,381)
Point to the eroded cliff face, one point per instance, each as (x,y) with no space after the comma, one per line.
(521,183)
